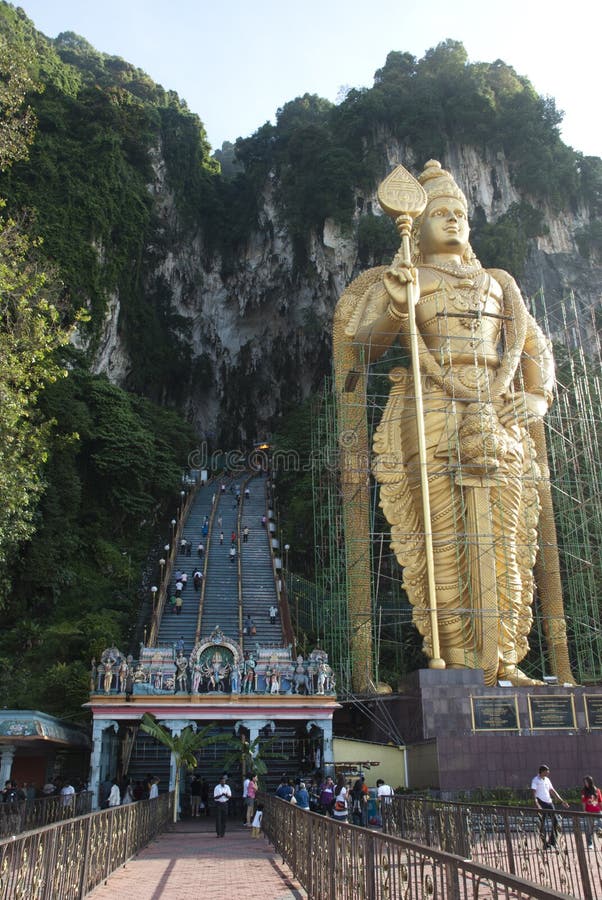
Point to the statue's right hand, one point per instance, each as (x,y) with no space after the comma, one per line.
(396,281)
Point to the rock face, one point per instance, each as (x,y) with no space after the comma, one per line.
(262,332)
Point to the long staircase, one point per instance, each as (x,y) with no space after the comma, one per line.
(220,511)
(258,587)
(221,605)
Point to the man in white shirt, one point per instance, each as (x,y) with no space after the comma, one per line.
(68,793)
(384,792)
(115,795)
(221,796)
(154,789)
(543,789)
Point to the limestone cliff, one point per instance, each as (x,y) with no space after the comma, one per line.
(263,330)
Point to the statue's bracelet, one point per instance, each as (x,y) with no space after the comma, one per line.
(395,314)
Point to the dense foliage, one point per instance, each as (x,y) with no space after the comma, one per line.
(30,331)
(114,464)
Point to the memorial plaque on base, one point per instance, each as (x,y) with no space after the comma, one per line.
(494,713)
(552,713)
(593,711)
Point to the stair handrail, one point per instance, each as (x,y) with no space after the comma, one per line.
(214,507)
(244,485)
(173,552)
(280,583)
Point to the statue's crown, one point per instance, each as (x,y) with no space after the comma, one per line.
(439,183)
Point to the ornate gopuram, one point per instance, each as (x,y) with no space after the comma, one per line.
(265,691)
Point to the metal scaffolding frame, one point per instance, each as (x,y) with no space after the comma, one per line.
(573,428)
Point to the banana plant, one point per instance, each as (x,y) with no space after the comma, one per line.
(183,746)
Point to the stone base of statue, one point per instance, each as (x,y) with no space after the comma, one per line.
(461,734)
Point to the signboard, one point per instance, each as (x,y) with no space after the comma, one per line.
(593,711)
(494,713)
(552,713)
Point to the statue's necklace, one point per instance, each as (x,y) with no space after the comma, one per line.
(469,295)
(456,269)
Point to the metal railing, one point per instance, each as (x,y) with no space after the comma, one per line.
(336,861)
(66,860)
(23,815)
(550,848)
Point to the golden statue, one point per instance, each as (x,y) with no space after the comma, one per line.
(456,447)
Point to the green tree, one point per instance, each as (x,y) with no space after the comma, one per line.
(17,120)
(249,754)
(183,747)
(30,333)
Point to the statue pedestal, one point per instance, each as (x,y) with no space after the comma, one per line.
(461,734)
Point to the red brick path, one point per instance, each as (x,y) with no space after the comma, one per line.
(190,863)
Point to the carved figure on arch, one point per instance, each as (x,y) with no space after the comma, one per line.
(123,675)
(181,673)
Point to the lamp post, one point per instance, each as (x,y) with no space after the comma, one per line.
(182,495)
(154,590)
(162,567)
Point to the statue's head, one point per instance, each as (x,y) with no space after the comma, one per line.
(443,193)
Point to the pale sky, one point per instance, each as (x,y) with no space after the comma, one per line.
(236,62)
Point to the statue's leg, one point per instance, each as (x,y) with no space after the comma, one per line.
(515,510)
(448,525)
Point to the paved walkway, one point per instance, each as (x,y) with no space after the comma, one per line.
(190,862)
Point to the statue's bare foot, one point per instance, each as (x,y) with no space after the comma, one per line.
(514,675)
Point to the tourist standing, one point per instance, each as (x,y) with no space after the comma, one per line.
(543,789)
(195,796)
(115,795)
(205,796)
(252,789)
(221,797)
(257,823)
(591,801)
(273,614)
(384,792)
(327,796)
(154,789)
(359,802)
(340,809)
(302,796)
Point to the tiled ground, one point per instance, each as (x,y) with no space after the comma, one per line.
(191,862)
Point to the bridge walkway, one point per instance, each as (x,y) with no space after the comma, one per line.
(188,862)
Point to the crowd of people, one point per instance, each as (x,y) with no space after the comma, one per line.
(342,800)
(118,792)
(13,792)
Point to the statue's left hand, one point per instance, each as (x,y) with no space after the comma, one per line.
(520,408)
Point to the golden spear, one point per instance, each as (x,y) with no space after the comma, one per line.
(403,198)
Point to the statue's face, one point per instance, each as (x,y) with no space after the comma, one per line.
(444,227)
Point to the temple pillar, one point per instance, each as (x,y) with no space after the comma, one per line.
(325,726)
(7,752)
(254,726)
(99,760)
